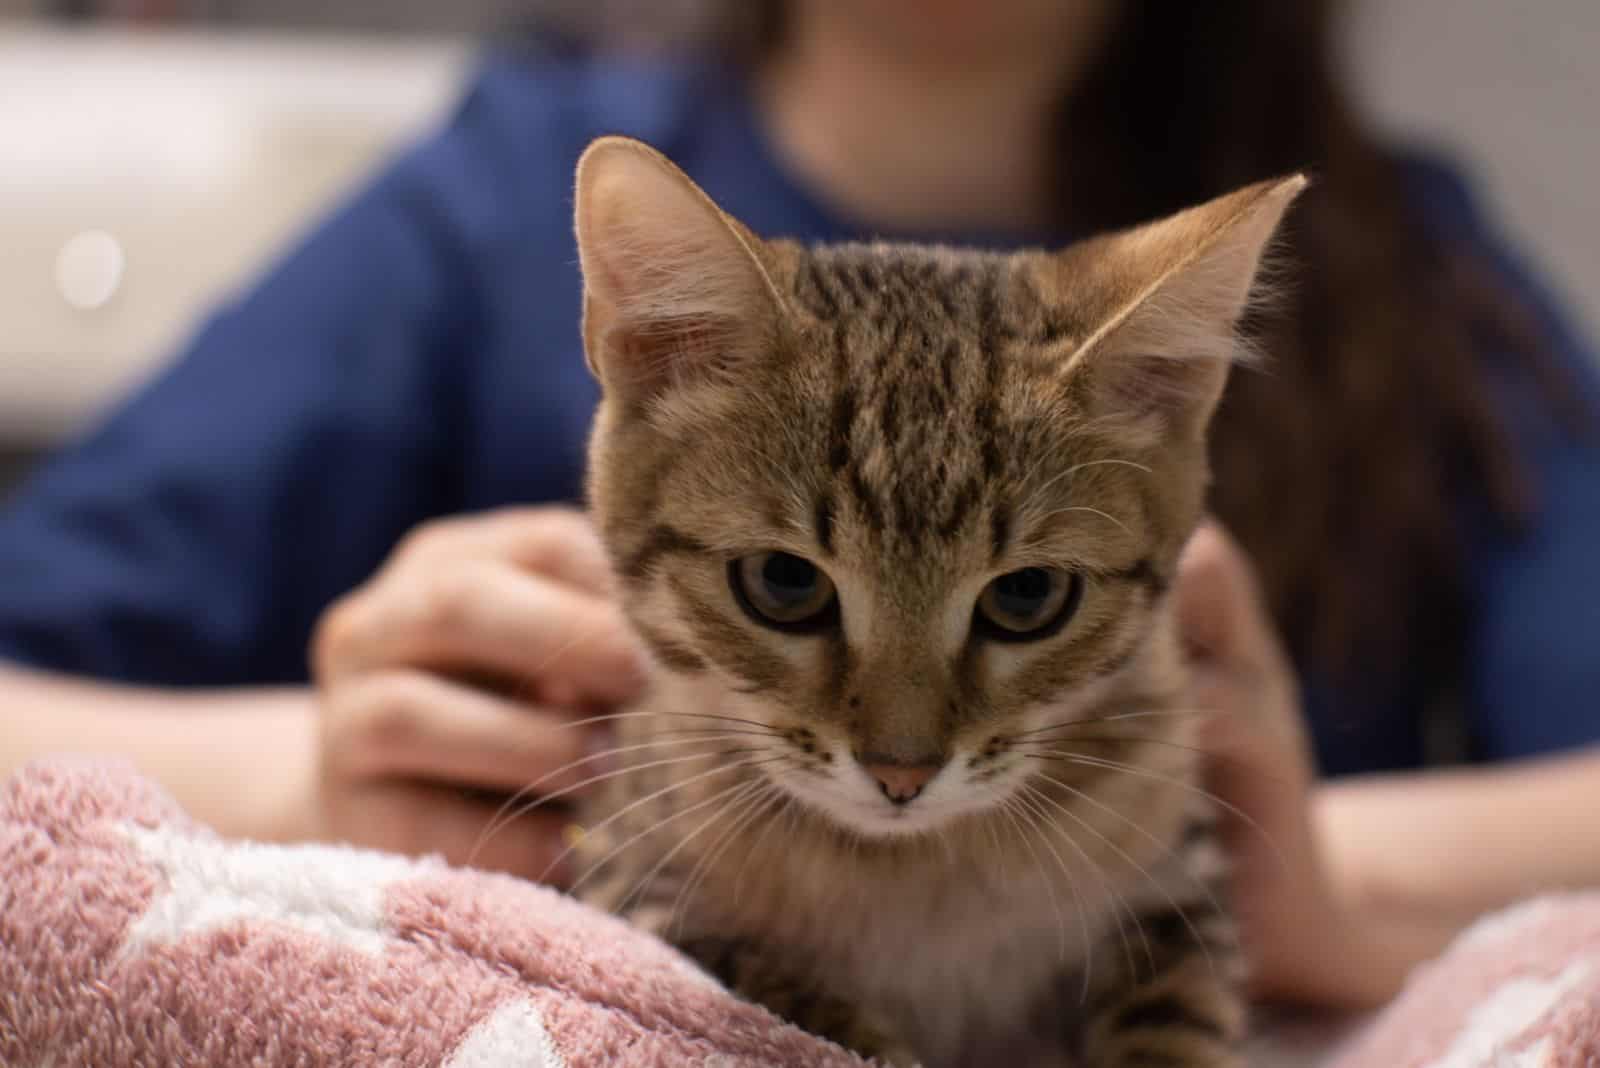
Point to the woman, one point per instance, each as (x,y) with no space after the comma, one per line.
(1402,479)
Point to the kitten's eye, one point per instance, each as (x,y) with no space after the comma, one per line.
(783,591)
(1026,605)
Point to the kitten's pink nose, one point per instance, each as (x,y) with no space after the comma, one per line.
(901,783)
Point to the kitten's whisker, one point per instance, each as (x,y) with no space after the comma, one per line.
(1194,931)
(510,811)
(609,717)
(493,826)
(526,686)
(994,836)
(1069,472)
(1063,724)
(725,800)
(645,800)
(1005,808)
(541,668)
(770,803)
(757,803)
(1166,848)
(1210,754)
(1119,904)
(718,732)
(595,780)
(854,838)
(735,790)
(780,812)
(1107,516)
(1130,769)
(709,857)
(1039,824)
(1097,463)
(784,810)
(791,823)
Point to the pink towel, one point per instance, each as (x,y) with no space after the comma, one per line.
(1519,990)
(130,937)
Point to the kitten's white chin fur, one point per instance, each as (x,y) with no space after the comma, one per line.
(850,798)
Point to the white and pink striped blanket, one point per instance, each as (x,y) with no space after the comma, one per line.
(129,936)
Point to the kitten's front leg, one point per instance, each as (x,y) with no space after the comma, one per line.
(746,968)
(1182,1006)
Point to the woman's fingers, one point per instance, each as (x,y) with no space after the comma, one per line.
(421,819)
(1220,614)
(455,672)
(1237,664)
(558,543)
(485,616)
(413,725)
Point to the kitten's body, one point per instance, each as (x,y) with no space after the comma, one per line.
(897,821)
(970,944)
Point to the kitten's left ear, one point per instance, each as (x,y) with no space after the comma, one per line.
(673,288)
(1177,289)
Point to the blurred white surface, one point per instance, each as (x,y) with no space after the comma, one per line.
(1511,88)
(143,176)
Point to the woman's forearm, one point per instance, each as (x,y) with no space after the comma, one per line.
(1452,845)
(1407,861)
(241,761)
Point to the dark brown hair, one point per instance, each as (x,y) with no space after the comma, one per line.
(1343,465)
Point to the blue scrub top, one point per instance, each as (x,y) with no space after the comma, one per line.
(418,355)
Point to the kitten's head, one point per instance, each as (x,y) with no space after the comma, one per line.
(902,504)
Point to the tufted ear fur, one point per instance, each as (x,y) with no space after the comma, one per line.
(1178,287)
(674,289)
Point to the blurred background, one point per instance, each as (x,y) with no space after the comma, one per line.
(154,153)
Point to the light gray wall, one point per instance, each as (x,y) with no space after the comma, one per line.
(1506,84)
(1512,86)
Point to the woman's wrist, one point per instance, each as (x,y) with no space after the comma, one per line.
(247,765)
(243,761)
(1352,956)
(1384,923)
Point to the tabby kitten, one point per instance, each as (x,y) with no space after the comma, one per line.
(898,523)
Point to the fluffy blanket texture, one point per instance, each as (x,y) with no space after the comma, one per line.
(129,936)
(1519,990)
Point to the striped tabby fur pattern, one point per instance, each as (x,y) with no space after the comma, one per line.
(898,524)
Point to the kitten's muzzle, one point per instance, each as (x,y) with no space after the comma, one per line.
(900,783)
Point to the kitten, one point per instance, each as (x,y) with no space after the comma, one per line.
(898,524)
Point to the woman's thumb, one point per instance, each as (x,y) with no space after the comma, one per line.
(1216,596)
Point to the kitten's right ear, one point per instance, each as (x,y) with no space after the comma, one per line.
(1176,287)
(673,288)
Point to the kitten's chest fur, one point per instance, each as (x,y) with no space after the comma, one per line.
(976,940)
(971,955)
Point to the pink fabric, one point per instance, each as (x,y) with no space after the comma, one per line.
(1520,990)
(129,937)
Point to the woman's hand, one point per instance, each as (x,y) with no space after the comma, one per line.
(1343,889)
(453,679)
(1303,940)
